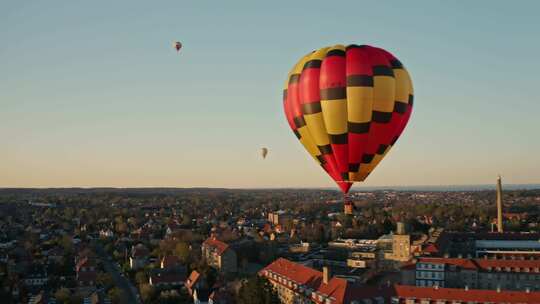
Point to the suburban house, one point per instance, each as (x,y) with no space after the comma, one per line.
(139,257)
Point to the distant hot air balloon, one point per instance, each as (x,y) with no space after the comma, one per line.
(264,152)
(348,106)
(177,46)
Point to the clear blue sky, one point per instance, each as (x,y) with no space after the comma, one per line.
(93,94)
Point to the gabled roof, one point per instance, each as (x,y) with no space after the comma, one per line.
(84,262)
(221,296)
(296,272)
(192,279)
(339,289)
(170,261)
(139,251)
(166,277)
(87,276)
(218,245)
(431,248)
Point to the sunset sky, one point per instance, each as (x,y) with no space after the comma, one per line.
(92,93)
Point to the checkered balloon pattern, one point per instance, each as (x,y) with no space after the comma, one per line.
(348,106)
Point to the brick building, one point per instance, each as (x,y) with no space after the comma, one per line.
(515,274)
(219,255)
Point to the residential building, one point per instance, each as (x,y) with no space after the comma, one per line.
(439,295)
(401,247)
(296,283)
(219,255)
(139,257)
(197,288)
(220,296)
(171,273)
(167,280)
(86,274)
(282,218)
(36,276)
(169,261)
(473,273)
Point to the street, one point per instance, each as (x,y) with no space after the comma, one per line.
(130,291)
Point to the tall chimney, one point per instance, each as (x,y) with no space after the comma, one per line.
(326,274)
(499,206)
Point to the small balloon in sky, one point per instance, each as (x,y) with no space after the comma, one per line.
(177,46)
(264,152)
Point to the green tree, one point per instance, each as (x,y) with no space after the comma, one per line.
(257,290)
(147,292)
(66,243)
(140,277)
(75,299)
(62,295)
(182,252)
(116,294)
(104,279)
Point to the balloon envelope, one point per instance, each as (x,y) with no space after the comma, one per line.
(264,152)
(177,46)
(348,106)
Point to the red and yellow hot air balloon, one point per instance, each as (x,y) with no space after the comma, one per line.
(348,106)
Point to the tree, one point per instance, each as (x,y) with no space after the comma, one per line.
(75,299)
(121,227)
(182,252)
(104,279)
(257,290)
(140,277)
(147,292)
(116,294)
(67,243)
(62,295)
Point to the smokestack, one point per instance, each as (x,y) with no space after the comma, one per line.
(499,206)
(326,274)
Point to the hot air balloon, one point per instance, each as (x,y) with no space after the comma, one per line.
(348,106)
(264,152)
(177,46)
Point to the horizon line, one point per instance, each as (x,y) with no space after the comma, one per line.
(529,186)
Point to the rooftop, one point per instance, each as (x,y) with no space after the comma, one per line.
(476,295)
(218,245)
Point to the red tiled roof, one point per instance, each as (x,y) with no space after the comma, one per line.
(219,246)
(410,266)
(299,273)
(85,262)
(337,288)
(472,295)
(514,236)
(463,263)
(485,264)
(431,248)
(193,278)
